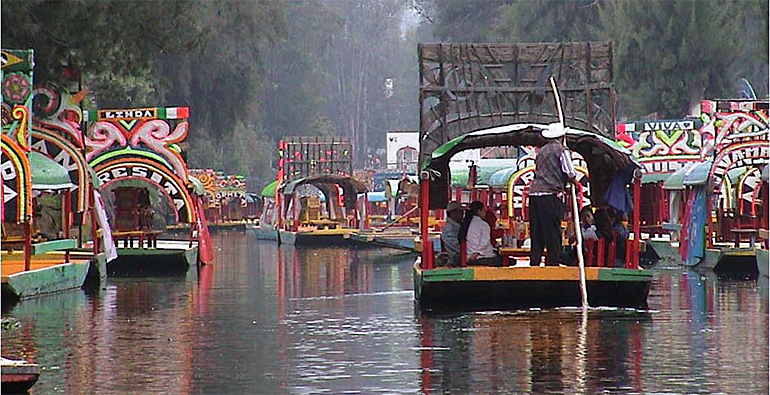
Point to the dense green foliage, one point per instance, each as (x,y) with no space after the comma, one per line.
(668,54)
(250,71)
(254,71)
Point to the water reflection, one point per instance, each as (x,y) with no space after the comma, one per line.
(533,352)
(267,319)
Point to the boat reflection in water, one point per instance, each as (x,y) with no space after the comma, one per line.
(274,320)
(533,351)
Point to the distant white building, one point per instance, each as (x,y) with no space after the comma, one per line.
(403,152)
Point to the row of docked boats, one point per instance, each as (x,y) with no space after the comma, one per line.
(519,284)
(713,213)
(80,204)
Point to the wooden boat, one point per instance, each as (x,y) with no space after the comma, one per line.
(140,174)
(264,232)
(394,238)
(315,236)
(308,227)
(524,285)
(38,253)
(18,376)
(724,195)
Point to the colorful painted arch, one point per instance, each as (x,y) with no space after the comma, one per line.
(62,151)
(520,180)
(744,154)
(118,169)
(17,182)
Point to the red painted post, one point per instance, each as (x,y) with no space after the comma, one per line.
(279,207)
(94,230)
(612,252)
(589,252)
(628,258)
(463,254)
(427,255)
(27,244)
(524,206)
(637,209)
(709,240)
(66,219)
(600,253)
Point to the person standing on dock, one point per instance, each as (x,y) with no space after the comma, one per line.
(454,215)
(553,169)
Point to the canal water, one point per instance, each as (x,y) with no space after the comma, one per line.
(270,320)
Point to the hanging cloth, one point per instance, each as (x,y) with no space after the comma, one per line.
(101,216)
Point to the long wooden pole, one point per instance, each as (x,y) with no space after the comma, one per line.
(579,237)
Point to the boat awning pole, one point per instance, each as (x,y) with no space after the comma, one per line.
(427,251)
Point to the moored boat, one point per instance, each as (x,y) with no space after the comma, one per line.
(18,376)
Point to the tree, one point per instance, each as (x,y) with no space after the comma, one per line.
(669,55)
(543,21)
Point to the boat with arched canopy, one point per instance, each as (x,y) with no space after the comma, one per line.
(610,166)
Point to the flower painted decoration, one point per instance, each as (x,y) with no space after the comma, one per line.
(16,88)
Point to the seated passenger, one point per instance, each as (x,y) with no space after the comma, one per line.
(475,231)
(609,227)
(494,233)
(588,232)
(449,235)
(587,227)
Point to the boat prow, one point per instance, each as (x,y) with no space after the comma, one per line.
(18,376)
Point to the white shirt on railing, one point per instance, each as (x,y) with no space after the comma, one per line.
(477,240)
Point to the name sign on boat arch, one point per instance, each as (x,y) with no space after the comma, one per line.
(742,155)
(173,187)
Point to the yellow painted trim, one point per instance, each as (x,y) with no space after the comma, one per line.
(325,232)
(739,253)
(533,273)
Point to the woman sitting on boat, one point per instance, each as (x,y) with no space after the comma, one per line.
(475,232)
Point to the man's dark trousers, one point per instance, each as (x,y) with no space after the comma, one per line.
(545,215)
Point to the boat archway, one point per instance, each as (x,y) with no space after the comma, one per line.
(349,185)
(152,173)
(63,152)
(603,157)
(519,182)
(17,182)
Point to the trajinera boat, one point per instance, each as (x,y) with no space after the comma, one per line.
(614,175)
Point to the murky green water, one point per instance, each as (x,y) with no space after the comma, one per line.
(267,320)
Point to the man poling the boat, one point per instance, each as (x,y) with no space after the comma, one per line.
(553,169)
